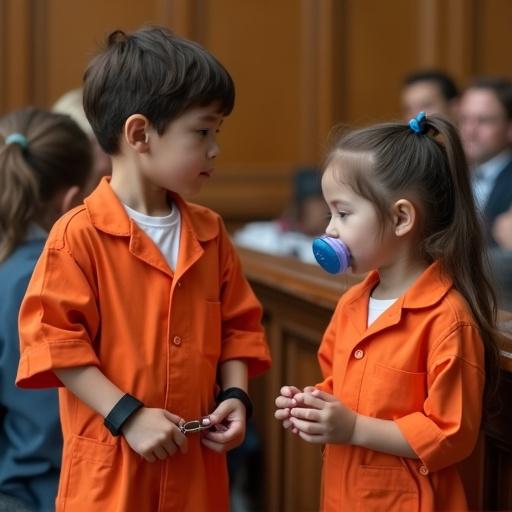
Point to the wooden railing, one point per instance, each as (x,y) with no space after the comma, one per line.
(298,301)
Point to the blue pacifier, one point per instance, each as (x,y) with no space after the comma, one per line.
(331,254)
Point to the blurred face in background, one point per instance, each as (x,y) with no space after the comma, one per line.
(313,216)
(426,96)
(484,128)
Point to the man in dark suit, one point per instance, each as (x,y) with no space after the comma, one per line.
(486,130)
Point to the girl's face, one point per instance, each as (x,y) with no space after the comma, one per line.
(355,221)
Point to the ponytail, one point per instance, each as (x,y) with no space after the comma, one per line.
(461,250)
(47,153)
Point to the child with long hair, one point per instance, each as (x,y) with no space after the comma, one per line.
(410,352)
(45,160)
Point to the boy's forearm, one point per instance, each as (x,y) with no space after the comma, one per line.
(92,387)
(234,374)
(382,436)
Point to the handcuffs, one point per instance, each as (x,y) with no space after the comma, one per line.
(189,427)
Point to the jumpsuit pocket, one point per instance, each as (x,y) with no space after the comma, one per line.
(88,473)
(395,393)
(385,488)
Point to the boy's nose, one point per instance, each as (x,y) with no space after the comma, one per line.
(213,151)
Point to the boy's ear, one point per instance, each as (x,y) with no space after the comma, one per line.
(136,132)
(404,217)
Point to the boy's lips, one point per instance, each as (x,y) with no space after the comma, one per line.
(208,172)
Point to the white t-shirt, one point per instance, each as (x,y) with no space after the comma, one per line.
(376,307)
(164,231)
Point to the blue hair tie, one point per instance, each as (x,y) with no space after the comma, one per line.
(417,124)
(17,138)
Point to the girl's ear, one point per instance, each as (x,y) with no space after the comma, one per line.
(135,133)
(404,217)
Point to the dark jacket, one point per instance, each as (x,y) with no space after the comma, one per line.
(500,200)
(30,434)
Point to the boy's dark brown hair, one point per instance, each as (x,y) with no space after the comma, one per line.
(385,162)
(154,73)
(58,155)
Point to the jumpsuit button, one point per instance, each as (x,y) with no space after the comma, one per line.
(423,470)
(359,354)
(177,341)
(179,284)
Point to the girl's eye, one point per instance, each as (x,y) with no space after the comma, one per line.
(342,215)
(203,133)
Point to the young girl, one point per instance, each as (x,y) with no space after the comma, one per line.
(407,352)
(44,161)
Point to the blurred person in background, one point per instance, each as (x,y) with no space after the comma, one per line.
(45,161)
(486,132)
(291,234)
(429,91)
(71,103)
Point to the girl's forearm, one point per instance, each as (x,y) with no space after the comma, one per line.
(382,436)
(92,387)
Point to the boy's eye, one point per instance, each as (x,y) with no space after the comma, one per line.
(203,133)
(342,215)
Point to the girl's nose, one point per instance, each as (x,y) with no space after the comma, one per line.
(330,230)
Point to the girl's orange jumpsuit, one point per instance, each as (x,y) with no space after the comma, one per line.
(421,364)
(102,294)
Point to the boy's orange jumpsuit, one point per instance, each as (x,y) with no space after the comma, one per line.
(102,294)
(421,364)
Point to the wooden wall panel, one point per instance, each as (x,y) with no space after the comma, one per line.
(300,66)
(279,54)
(73,31)
(493,37)
(379,43)
(16,53)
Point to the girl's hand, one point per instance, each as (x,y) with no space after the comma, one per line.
(284,402)
(154,434)
(322,418)
(229,421)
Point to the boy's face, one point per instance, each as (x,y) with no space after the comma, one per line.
(182,158)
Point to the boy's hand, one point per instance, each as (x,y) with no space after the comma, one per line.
(321,418)
(284,403)
(229,421)
(154,434)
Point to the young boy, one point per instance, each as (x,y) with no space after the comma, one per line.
(138,305)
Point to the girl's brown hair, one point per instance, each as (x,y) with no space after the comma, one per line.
(385,162)
(57,155)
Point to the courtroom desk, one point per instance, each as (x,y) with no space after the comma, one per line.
(298,301)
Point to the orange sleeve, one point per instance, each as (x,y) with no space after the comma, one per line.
(58,319)
(242,332)
(447,429)
(326,353)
